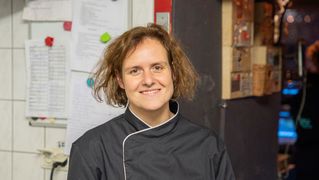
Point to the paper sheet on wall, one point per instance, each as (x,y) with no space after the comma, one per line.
(92,18)
(48,10)
(85,111)
(47,79)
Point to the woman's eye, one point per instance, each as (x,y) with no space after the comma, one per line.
(134,72)
(157,68)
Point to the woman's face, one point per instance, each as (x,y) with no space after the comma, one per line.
(147,78)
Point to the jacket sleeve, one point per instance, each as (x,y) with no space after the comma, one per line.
(82,166)
(221,164)
(222,167)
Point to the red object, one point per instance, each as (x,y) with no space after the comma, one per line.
(245,35)
(238,77)
(163,6)
(49,41)
(67,25)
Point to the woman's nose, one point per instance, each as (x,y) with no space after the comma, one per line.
(148,79)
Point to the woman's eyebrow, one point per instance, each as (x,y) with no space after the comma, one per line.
(132,67)
(160,63)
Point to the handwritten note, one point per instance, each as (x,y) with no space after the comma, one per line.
(47,78)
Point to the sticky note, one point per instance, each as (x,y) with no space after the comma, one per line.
(105,37)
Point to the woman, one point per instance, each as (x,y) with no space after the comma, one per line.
(145,69)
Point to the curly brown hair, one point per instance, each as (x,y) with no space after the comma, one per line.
(110,66)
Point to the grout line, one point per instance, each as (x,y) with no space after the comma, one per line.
(9,48)
(1,99)
(12,102)
(4,150)
(19,100)
(25,152)
(6,48)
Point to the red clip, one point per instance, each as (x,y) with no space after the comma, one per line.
(67,25)
(49,41)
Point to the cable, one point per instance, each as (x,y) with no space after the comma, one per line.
(55,165)
(303,100)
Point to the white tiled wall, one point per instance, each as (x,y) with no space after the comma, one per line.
(20,142)
(27,166)
(6,165)
(6,125)
(20,27)
(6,73)
(26,138)
(5,24)
(19,74)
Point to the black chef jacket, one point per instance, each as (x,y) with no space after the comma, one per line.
(125,148)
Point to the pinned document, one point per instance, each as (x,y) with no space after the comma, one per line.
(48,10)
(47,79)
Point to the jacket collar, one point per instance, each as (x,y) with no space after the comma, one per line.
(160,129)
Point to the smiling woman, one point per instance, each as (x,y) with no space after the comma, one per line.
(185,76)
(148,83)
(146,70)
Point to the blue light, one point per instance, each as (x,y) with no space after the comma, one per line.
(287,129)
(284,114)
(287,134)
(287,91)
(294,91)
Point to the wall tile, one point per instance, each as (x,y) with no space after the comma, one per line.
(6,125)
(26,138)
(5,73)
(5,24)
(20,27)
(5,165)
(53,136)
(27,166)
(19,74)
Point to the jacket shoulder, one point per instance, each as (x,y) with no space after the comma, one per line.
(204,134)
(95,134)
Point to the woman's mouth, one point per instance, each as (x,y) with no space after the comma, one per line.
(150,92)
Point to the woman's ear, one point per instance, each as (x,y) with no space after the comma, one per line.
(119,80)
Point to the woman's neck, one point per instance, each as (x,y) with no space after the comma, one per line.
(153,118)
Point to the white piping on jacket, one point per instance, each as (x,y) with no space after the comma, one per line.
(137,132)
